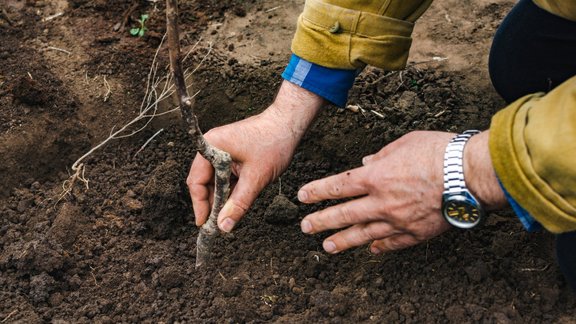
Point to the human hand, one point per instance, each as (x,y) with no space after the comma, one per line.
(399,194)
(261,147)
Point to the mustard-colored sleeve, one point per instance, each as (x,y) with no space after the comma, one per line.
(349,34)
(533,148)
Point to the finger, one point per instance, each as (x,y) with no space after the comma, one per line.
(360,210)
(200,181)
(392,243)
(357,235)
(345,184)
(245,192)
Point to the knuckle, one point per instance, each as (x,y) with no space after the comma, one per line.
(197,191)
(241,205)
(402,242)
(392,244)
(334,190)
(189,181)
(368,234)
(346,215)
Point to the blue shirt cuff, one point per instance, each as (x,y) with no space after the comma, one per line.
(330,84)
(530,224)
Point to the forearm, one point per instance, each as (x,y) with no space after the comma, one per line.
(352,34)
(294,107)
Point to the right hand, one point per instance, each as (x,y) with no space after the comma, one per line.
(261,147)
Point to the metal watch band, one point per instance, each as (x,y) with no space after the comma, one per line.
(453,163)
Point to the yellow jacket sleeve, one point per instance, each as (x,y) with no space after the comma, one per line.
(533,148)
(349,34)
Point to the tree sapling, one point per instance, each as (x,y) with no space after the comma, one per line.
(220,160)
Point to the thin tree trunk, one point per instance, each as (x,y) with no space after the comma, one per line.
(220,160)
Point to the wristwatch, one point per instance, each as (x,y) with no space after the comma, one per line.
(459,207)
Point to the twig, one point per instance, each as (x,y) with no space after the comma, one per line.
(272,9)
(127,14)
(59,50)
(54,16)
(433,59)
(148,110)
(379,115)
(148,141)
(219,159)
(7,17)
(94,276)
(535,269)
(9,315)
(108,90)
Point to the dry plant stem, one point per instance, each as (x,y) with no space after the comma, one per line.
(220,160)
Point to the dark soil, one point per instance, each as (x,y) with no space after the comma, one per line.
(124,249)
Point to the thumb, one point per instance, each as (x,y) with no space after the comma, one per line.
(242,197)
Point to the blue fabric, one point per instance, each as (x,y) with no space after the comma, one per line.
(530,224)
(330,84)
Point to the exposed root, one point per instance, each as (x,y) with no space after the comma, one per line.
(108,90)
(148,141)
(9,315)
(68,185)
(158,88)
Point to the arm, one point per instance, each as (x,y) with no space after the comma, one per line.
(397,194)
(261,150)
(351,34)
(530,146)
(534,151)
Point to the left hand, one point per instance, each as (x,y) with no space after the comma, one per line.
(399,194)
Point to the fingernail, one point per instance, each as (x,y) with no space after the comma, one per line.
(227,225)
(375,250)
(226,211)
(329,246)
(302,196)
(306,227)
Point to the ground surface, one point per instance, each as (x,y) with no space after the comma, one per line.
(123,251)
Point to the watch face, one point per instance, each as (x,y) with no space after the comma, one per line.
(461,212)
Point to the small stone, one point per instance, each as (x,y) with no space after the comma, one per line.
(281,211)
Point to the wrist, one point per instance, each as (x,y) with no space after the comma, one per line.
(479,173)
(294,107)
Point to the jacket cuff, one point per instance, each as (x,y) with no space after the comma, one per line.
(330,84)
(529,223)
(512,163)
(337,37)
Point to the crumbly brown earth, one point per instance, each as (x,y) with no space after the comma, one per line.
(123,250)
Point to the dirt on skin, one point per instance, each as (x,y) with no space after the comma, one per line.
(124,249)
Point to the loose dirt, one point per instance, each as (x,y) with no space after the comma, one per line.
(123,250)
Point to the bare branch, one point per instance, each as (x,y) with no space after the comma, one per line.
(220,160)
